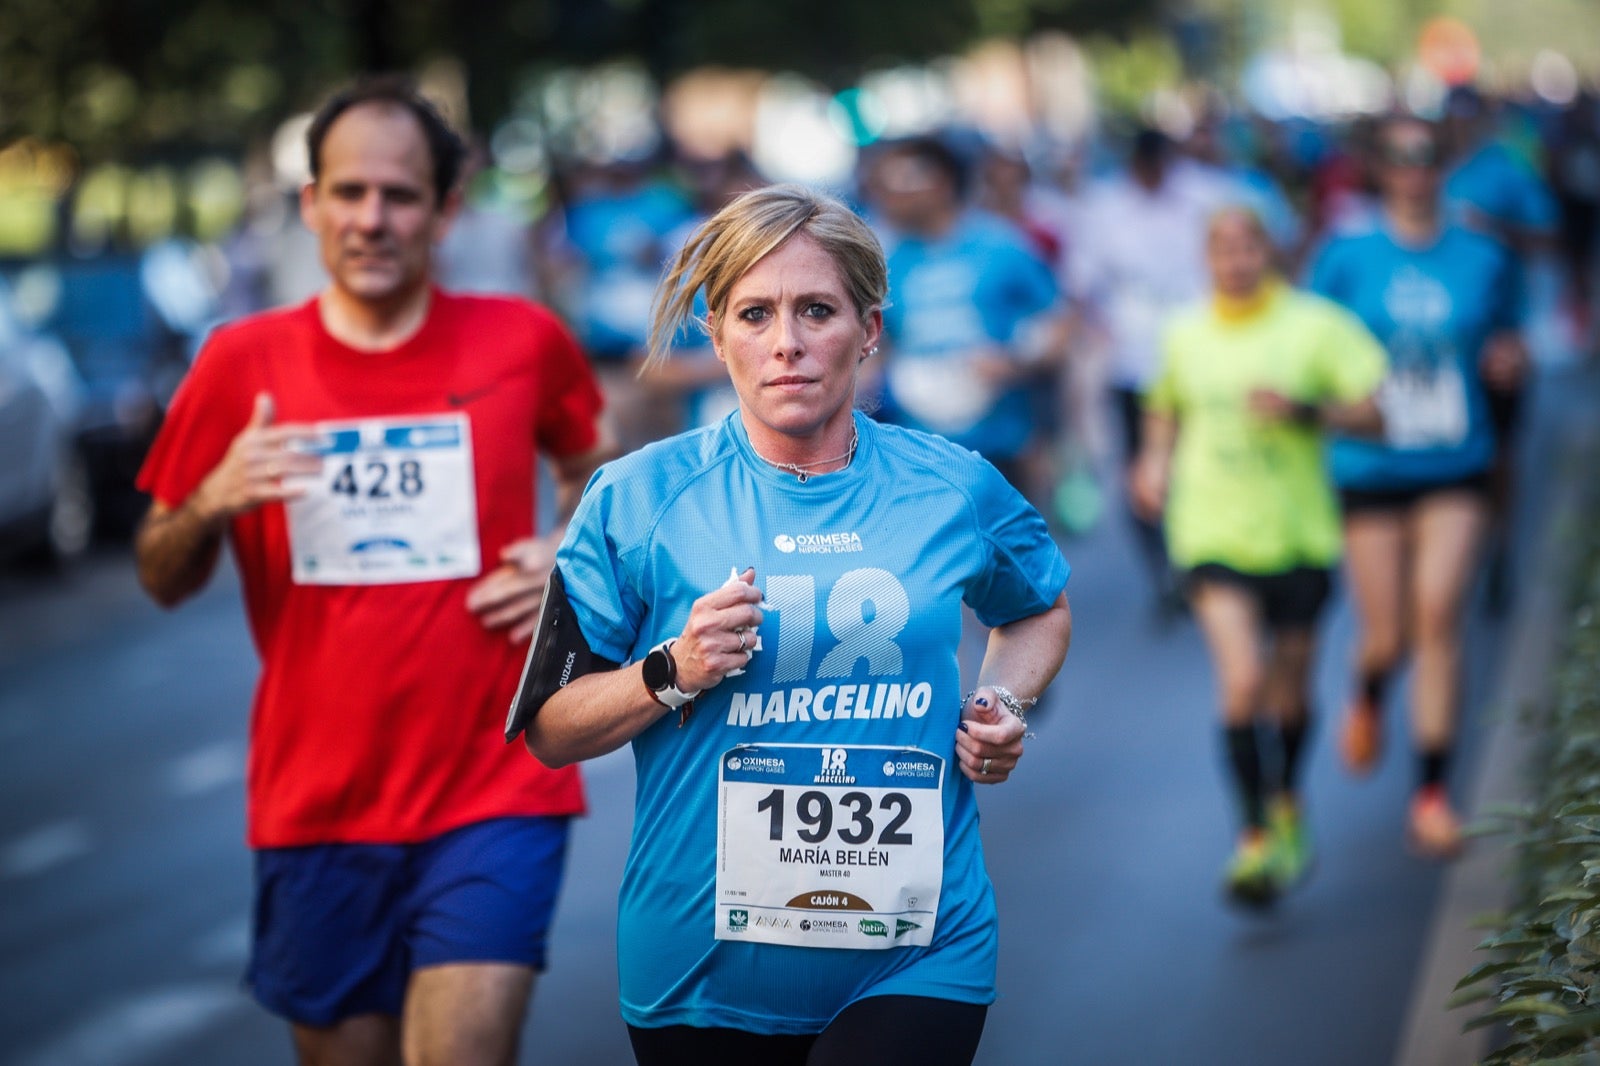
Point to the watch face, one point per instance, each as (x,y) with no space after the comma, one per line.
(658,670)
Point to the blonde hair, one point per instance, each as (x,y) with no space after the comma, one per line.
(750,227)
(1245,213)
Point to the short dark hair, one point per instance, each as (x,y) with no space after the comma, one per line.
(937,153)
(1150,145)
(444,144)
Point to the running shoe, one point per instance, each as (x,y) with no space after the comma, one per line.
(1248,879)
(1432,825)
(1361,737)
(1288,844)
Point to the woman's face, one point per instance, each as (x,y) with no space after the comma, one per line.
(1237,255)
(793,342)
(1408,163)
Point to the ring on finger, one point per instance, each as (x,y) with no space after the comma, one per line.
(984,769)
(740,631)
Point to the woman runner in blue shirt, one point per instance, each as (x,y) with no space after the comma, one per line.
(1444,301)
(805,883)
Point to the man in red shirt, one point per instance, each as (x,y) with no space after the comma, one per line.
(371,457)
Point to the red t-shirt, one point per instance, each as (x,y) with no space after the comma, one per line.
(380,708)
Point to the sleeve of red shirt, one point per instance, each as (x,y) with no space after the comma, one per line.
(568,421)
(211,406)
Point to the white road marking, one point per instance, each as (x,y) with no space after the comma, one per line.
(134,1030)
(206,769)
(45,848)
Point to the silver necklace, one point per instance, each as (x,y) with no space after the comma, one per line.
(803,471)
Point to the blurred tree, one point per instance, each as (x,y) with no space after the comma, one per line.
(178,77)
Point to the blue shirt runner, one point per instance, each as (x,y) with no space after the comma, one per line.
(829,764)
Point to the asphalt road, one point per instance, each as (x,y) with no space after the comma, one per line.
(124,882)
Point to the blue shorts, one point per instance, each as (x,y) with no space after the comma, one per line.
(340,928)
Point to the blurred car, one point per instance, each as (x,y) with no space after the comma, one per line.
(47,508)
(131,324)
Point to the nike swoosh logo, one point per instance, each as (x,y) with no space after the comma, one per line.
(461,399)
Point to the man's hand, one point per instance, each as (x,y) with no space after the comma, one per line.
(177,548)
(510,595)
(1147,487)
(1504,361)
(256,466)
(1274,406)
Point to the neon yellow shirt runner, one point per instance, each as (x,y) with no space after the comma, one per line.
(1247,492)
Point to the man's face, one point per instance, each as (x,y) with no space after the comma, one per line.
(913,191)
(373,206)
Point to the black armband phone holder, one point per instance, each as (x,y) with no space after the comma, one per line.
(559,653)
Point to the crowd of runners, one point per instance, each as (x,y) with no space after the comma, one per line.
(795,439)
(1069,312)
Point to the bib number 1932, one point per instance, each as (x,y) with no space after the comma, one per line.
(814,812)
(829,847)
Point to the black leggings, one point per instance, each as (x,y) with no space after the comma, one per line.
(877,1031)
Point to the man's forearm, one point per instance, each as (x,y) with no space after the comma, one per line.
(572,476)
(177,551)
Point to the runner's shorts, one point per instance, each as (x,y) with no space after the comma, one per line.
(339,928)
(1369,501)
(1288,600)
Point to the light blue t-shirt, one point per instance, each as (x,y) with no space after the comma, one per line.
(1432,308)
(976,287)
(864,572)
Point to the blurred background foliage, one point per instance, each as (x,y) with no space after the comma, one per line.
(123,120)
(182,76)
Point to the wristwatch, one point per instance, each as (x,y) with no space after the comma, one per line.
(661,677)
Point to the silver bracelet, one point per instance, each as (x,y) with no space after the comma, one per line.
(1013,703)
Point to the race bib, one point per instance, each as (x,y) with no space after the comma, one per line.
(394,503)
(829,847)
(1424,408)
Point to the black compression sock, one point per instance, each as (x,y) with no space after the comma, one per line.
(1244,758)
(1432,766)
(1373,687)
(1293,736)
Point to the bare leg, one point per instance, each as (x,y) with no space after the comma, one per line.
(365,1040)
(466,1014)
(1447,531)
(1230,620)
(1287,667)
(1375,546)
(1285,696)
(1231,623)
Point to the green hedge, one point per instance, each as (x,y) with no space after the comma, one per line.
(1541,989)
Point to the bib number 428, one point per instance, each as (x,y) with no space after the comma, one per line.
(376,481)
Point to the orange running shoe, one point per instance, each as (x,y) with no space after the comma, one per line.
(1361,738)
(1433,827)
